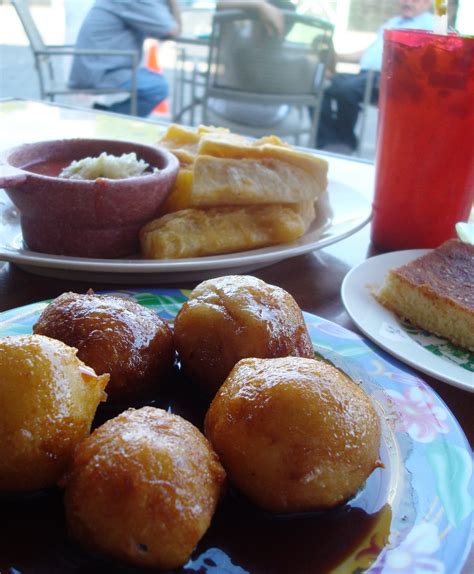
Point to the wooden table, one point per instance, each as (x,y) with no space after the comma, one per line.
(313,279)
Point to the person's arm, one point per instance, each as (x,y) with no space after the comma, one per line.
(272,18)
(350,58)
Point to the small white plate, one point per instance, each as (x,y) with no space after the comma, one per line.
(339,213)
(428,353)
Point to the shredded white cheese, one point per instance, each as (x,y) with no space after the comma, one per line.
(107,166)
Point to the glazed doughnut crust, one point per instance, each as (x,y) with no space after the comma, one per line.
(143,488)
(293,434)
(113,335)
(48,400)
(232,317)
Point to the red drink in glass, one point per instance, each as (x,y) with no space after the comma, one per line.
(425,152)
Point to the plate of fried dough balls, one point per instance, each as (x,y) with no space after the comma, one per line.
(224,445)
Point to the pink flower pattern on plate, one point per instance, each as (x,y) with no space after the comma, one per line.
(418,414)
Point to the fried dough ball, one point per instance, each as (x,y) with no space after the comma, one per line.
(233,317)
(294,434)
(143,488)
(48,399)
(113,335)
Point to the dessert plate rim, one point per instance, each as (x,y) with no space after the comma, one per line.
(386,330)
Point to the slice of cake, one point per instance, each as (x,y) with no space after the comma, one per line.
(436,292)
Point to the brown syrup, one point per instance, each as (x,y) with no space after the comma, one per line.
(241,538)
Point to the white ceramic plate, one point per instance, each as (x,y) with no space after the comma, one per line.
(341,213)
(428,353)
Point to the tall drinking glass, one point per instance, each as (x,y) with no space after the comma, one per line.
(425,151)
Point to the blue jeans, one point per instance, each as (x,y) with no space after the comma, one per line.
(337,123)
(152,88)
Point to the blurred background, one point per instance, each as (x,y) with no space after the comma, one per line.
(355,21)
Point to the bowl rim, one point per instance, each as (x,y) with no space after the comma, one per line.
(171,161)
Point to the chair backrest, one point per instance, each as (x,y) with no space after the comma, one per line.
(31,30)
(244,58)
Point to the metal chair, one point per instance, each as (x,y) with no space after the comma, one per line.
(191,59)
(249,68)
(44,55)
(189,78)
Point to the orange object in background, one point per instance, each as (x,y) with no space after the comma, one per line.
(153,64)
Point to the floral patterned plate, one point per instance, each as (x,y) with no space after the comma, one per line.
(432,355)
(415,515)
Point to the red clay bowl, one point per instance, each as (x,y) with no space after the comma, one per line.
(84,218)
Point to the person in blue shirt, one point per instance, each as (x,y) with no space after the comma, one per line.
(124,25)
(342,99)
